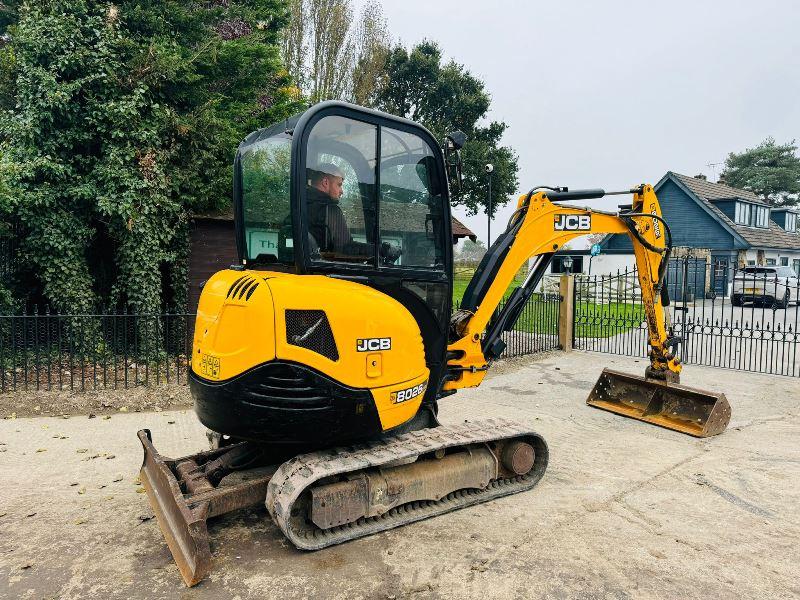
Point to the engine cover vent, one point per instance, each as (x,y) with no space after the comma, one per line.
(244,285)
(311,330)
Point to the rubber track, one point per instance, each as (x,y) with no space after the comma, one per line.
(299,473)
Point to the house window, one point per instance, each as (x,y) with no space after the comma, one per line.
(784,261)
(761,216)
(796,266)
(770,262)
(791,222)
(751,263)
(742,213)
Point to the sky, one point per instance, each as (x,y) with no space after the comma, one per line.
(611,94)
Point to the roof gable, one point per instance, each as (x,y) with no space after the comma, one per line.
(705,192)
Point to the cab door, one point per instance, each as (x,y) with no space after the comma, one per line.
(393,228)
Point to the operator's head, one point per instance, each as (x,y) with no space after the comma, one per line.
(328,178)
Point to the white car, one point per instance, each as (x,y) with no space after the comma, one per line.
(776,286)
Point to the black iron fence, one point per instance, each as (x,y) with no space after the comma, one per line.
(43,351)
(536,329)
(746,318)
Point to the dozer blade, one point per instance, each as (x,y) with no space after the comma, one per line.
(183,498)
(671,405)
(184,529)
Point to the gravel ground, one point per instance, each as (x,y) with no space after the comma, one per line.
(100,402)
(626,510)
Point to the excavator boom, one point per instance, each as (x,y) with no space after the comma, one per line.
(541,225)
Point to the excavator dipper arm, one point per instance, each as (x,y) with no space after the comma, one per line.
(539,227)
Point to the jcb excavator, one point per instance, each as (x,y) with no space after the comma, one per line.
(320,358)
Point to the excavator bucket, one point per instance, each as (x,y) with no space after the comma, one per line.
(671,405)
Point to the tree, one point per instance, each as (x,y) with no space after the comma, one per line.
(333,55)
(472,251)
(119,120)
(770,170)
(444,98)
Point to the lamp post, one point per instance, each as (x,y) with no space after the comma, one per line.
(566,262)
(489,168)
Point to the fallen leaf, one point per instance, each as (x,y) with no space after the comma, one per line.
(117,478)
(171,422)
(144,518)
(109,497)
(101,486)
(92,415)
(106,417)
(110,456)
(41,450)
(25,566)
(137,481)
(82,450)
(82,491)
(123,409)
(30,514)
(73,484)
(140,490)
(81,521)
(3,515)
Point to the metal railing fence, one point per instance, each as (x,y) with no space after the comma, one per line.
(748,323)
(44,351)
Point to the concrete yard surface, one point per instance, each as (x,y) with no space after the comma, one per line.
(625,510)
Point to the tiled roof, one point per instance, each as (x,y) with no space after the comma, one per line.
(758,237)
(461,231)
(716,191)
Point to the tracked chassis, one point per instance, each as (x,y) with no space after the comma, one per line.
(329,497)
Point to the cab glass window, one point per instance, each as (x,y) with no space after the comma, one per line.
(411,195)
(340,190)
(265,178)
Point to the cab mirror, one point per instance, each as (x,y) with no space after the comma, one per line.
(452,156)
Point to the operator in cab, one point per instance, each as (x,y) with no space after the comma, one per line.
(327,223)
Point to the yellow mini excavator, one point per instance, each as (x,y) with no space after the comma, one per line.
(320,358)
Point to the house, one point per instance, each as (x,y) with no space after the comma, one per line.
(213,246)
(720,228)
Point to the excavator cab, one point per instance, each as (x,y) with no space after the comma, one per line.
(356,194)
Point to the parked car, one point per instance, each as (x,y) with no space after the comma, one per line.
(776,286)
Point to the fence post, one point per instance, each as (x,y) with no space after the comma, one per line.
(566,312)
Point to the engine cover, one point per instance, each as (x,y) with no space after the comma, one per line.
(277,355)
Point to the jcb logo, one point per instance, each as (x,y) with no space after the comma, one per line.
(572,223)
(373,344)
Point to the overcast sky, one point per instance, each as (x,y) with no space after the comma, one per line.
(610,93)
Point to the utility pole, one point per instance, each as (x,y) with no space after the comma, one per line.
(489,168)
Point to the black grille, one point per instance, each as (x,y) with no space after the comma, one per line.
(310,329)
(288,387)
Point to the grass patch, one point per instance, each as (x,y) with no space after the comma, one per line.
(541,314)
(606,320)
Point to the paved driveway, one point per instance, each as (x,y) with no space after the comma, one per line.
(626,509)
